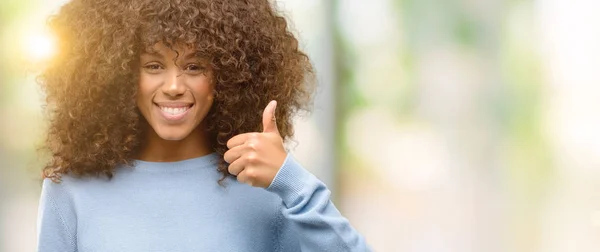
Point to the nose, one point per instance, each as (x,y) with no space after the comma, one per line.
(174,84)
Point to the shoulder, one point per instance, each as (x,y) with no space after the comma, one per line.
(65,190)
(55,188)
(65,184)
(56,199)
(58,192)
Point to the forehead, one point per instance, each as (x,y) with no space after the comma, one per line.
(162,48)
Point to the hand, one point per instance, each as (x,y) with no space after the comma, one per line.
(256,157)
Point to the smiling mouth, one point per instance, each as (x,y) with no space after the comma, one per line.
(174,112)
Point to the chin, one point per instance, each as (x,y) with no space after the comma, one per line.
(172,135)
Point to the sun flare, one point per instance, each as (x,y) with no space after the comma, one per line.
(39,46)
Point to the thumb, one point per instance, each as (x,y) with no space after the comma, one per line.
(268,120)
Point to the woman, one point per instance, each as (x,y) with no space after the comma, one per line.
(167,120)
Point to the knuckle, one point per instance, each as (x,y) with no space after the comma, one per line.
(251,174)
(251,158)
(252,145)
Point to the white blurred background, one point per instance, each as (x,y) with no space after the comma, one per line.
(440,125)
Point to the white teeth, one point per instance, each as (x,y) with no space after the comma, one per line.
(174,111)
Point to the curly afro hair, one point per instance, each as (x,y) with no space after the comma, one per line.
(91,83)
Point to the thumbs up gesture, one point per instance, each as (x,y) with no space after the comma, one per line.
(256,157)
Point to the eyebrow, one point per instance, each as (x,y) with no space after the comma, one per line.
(191,56)
(153,53)
(157,54)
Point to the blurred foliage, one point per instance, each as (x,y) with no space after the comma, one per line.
(511,97)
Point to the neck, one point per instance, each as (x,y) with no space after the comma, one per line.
(156,149)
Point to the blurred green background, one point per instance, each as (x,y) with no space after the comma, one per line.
(440,125)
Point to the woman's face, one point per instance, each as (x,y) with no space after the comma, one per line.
(175,92)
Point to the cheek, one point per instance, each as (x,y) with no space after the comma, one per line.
(206,94)
(145,89)
(203,90)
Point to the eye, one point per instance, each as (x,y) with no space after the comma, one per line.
(194,69)
(153,68)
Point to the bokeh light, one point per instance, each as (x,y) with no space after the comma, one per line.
(39,46)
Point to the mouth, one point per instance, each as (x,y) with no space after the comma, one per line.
(174,112)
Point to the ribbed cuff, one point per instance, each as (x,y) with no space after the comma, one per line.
(290,180)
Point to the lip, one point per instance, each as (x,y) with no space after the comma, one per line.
(173,118)
(174,104)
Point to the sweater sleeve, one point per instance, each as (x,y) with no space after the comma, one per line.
(55,225)
(310,214)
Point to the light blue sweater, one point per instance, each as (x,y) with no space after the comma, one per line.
(178,206)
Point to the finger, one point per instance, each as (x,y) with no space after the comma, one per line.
(242,178)
(234,153)
(247,176)
(269,120)
(239,139)
(236,167)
